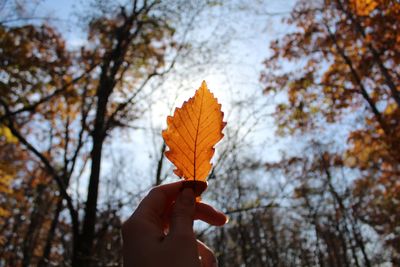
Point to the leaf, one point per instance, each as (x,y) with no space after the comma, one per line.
(6,133)
(364,7)
(192,133)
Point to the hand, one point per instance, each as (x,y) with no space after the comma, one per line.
(160,231)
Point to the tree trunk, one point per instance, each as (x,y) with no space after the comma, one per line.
(83,250)
(158,179)
(47,249)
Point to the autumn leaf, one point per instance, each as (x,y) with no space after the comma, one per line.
(192,133)
(364,7)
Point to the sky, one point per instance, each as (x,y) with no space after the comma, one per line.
(232,75)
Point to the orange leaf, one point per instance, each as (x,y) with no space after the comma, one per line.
(364,7)
(192,133)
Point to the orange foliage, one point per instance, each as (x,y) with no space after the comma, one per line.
(364,7)
(345,58)
(192,133)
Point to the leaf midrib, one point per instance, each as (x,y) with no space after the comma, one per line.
(197,134)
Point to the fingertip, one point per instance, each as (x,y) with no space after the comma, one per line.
(198,186)
(210,215)
(208,259)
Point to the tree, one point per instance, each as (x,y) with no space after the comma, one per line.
(79,97)
(35,67)
(345,61)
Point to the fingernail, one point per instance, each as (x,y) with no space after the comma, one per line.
(227,219)
(187,196)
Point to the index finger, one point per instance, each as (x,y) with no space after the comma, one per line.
(147,218)
(161,197)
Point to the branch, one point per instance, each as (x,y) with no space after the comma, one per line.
(375,53)
(240,210)
(158,179)
(124,105)
(84,115)
(46,98)
(67,139)
(357,78)
(49,167)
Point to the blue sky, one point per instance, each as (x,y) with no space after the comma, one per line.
(232,75)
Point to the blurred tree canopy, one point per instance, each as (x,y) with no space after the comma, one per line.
(57,108)
(331,199)
(346,58)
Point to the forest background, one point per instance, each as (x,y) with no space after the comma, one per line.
(309,167)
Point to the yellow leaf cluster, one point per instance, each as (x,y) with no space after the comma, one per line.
(7,135)
(6,178)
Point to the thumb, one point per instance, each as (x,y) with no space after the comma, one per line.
(183,214)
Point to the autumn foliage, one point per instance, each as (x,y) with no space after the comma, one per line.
(58,105)
(330,198)
(347,59)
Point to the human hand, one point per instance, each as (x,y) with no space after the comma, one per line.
(160,231)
